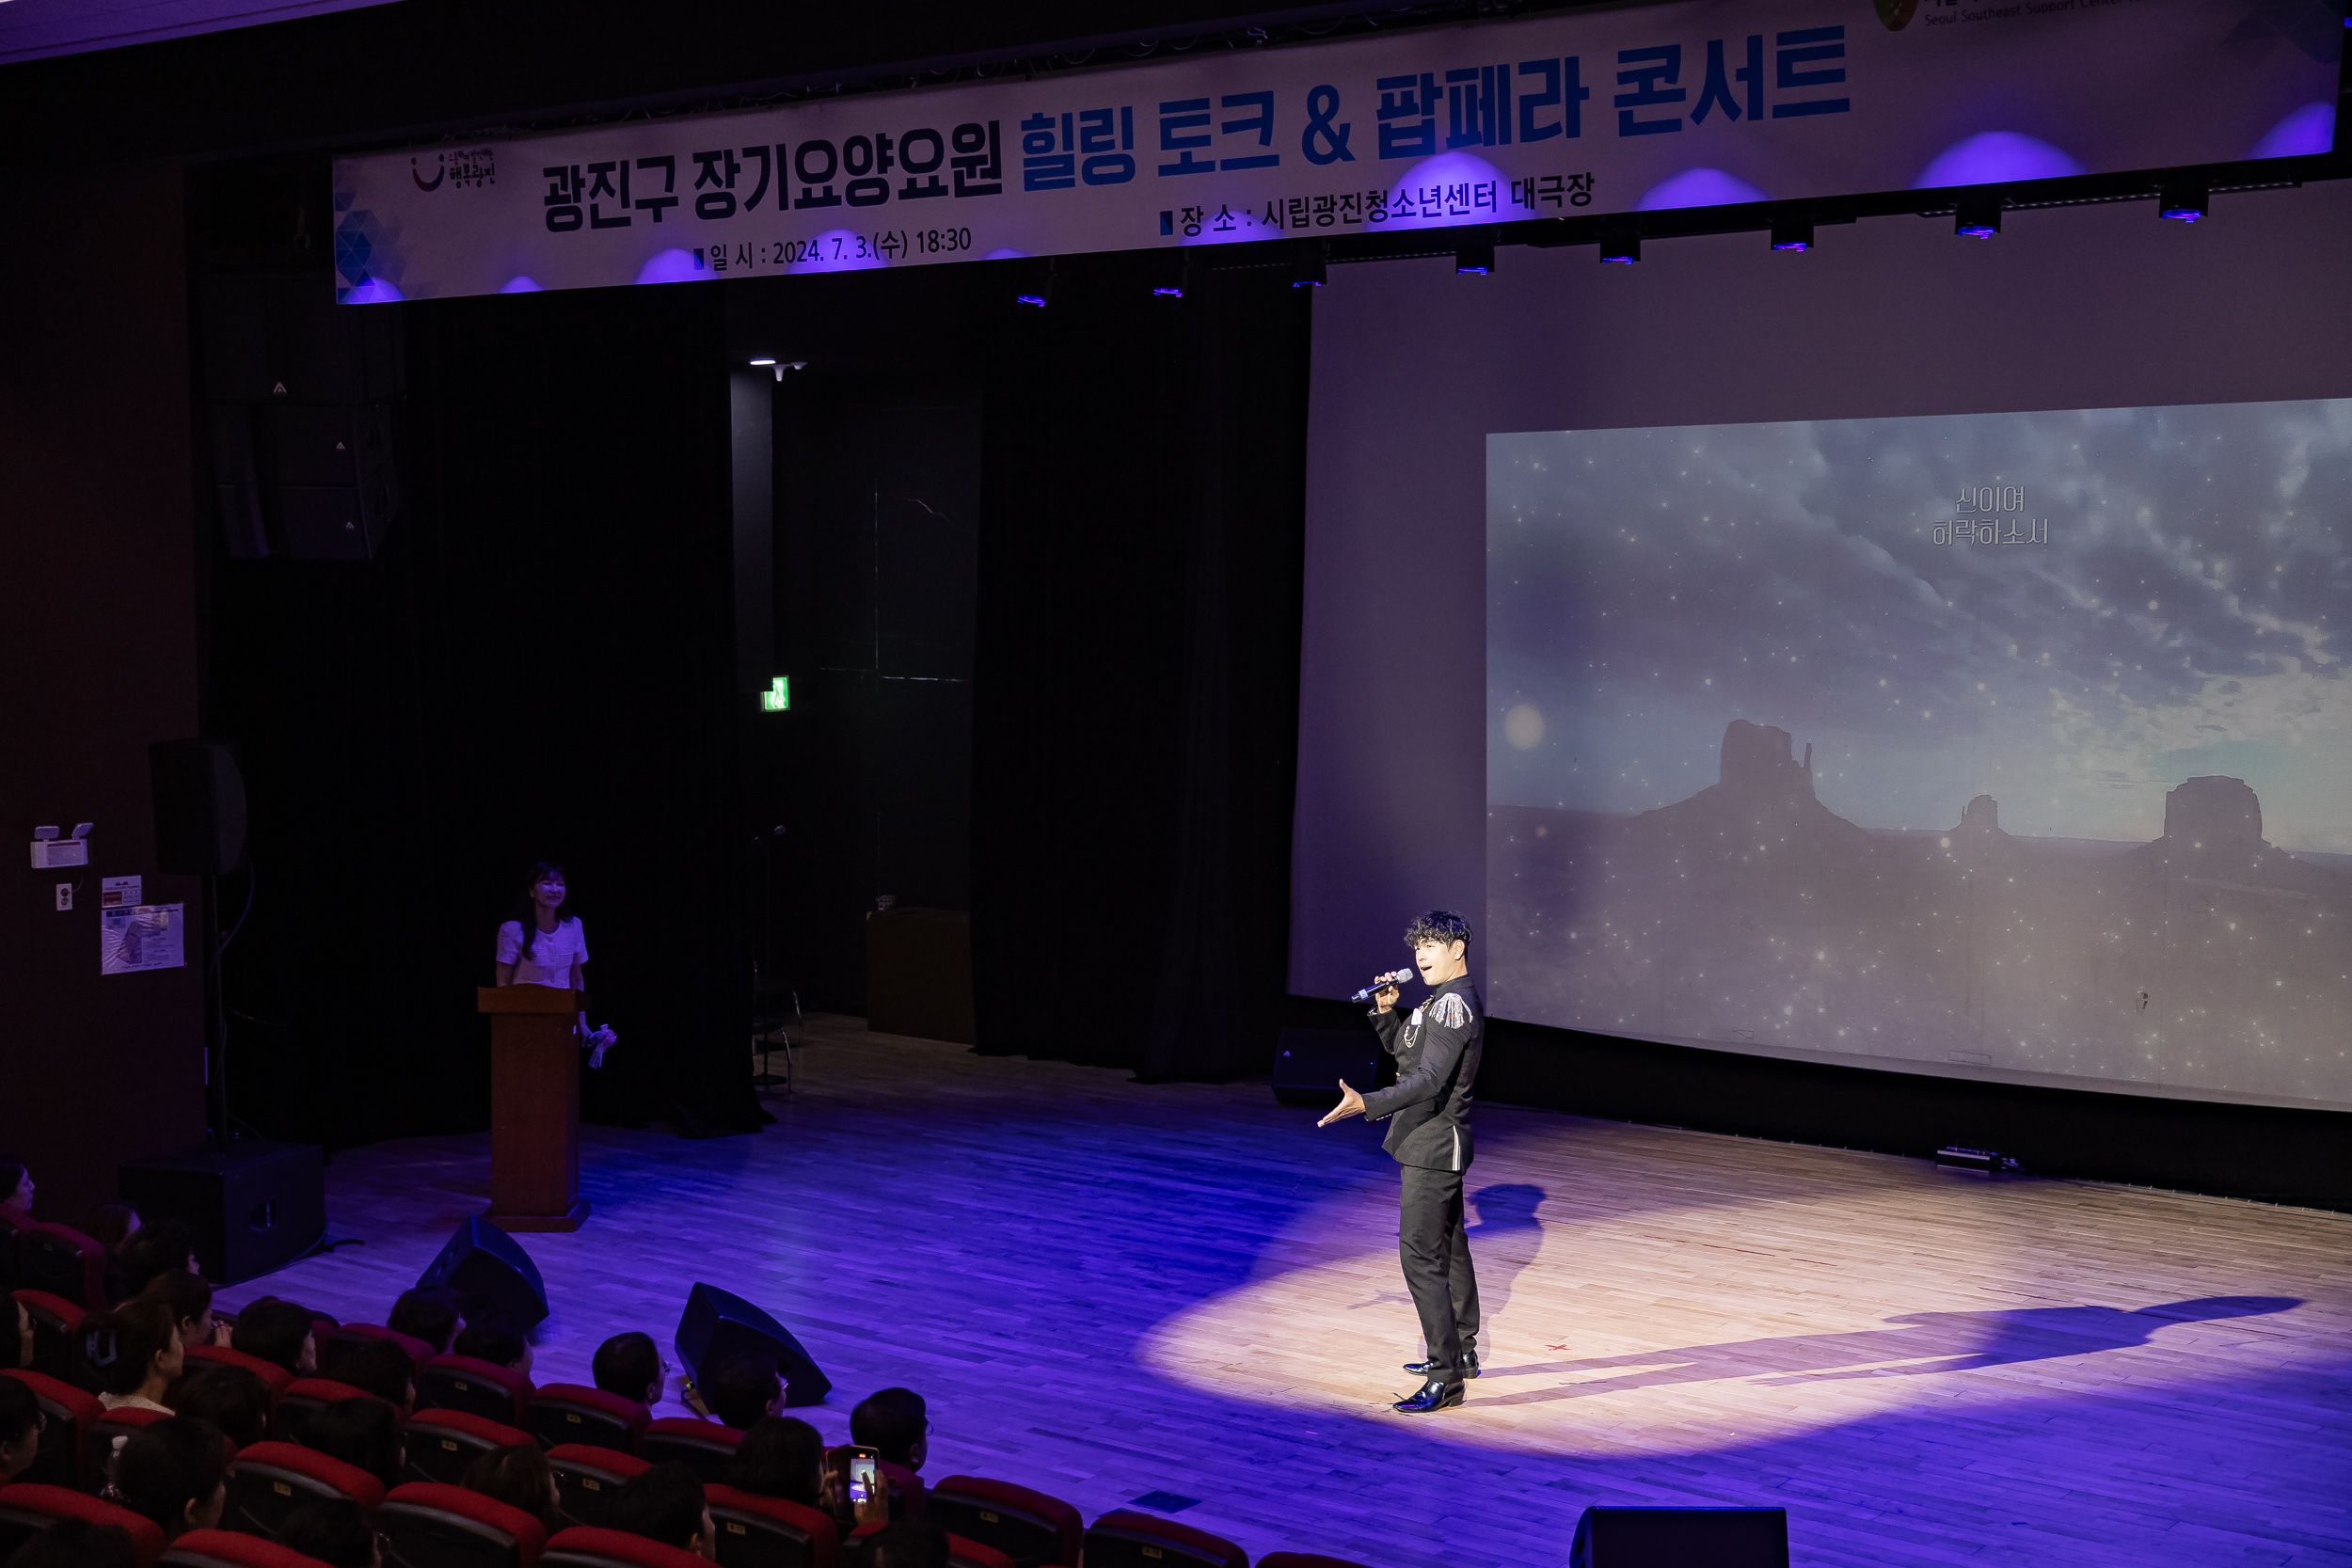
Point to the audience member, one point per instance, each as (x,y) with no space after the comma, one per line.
(427,1313)
(110,1224)
(894,1425)
(666,1504)
(21,1426)
(16,1185)
(234,1399)
(630,1366)
(907,1543)
(16,1350)
(190,1298)
(134,1353)
(333,1531)
(383,1367)
(742,1388)
(172,1471)
(277,1332)
(519,1476)
(781,1457)
(165,1247)
(77,1543)
(496,1340)
(360,1431)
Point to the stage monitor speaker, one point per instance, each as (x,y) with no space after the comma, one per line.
(717,1325)
(199,807)
(490,1272)
(1682,1538)
(1310,1063)
(253,1207)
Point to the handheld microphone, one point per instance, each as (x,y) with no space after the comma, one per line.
(1380,984)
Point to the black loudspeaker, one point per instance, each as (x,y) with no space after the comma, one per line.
(490,1275)
(1682,1538)
(1310,1063)
(716,1326)
(253,1207)
(199,807)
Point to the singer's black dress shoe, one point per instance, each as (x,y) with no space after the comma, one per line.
(1433,1395)
(1430,1369)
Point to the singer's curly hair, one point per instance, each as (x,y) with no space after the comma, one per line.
(1438,925)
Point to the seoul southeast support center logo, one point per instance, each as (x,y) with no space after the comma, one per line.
(1895,14)
(474,167)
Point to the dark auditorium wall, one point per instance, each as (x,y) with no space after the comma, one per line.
(97,645)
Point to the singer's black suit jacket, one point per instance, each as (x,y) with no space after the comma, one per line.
(1436,1047)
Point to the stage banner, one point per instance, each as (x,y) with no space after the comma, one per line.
(1706,103)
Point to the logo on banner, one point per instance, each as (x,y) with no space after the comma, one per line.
(1897,14)
(440,170)
(476,166)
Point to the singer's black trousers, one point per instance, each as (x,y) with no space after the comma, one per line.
(1435,1256)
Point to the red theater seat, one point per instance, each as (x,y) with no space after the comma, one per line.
(1122,1539)
(769,1532)
(224,1548)
(57,1324)
(1304,1560)
(961,1552)
(61,1260)
(339,1341)
(1030,1527)
(586,1477)
(69,1413)
(583,1547)
(563,1413)
(706,1447)
(273,1375)
(269,1481)
(426,1525)
(442,1443)
(27,1508)
(304,1397)
(476,1386)
(111,1429)
(12,1224)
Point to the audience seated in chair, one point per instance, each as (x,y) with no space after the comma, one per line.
(279,1332)
(78,1543)
(134,1353)
(234,1399)
(427,1313)
(21,1424)
(165,1247)
(895,1424)
(907,1543)
(666,1504)
(741,1389)
(174,1473)
(781,1457)
(630,1365)
(385,1369)
(16,1350)
(363,1432)
(110,1224)
(332,1530)
(519,1476)
(16,1185)
(496,1340)
(190,1298)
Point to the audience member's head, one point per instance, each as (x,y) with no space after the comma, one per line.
(190,1298)
(171,1472)
(277,1332)
(496,1340)
(519,1476)
(907,1543)
(629,1365)
(162,1246)
(780,1457)
(429,1313)
(360,1431)
(665,1504)
(383,1367)
(742,1388)
(16,1185)
(110,1224)
(20,1424)
(332,1530)
(234,1399)
(134,1350)
(894,1425)
(77,1543)
(16,1350)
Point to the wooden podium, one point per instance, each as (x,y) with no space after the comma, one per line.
(535,1107)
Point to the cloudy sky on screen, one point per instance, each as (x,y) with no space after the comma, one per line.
(2191,614)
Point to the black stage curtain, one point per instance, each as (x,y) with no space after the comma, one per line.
(1137,690)
(538,664)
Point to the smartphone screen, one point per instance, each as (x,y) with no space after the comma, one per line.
(862,1476)
(869,1492)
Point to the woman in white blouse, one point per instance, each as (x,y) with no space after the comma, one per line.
(543,946)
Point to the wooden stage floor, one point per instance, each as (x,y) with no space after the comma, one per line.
(1105,1289)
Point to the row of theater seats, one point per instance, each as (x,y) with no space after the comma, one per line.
(55,1258)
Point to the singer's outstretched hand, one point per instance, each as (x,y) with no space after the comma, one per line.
(1351,1104)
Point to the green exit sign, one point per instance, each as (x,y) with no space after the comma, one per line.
(778,697)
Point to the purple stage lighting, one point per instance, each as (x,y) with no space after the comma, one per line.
(2308,131)
(1996,157)
(1699,187)
(1620,241)
(1792,234)
(1977,217)
(2182,199)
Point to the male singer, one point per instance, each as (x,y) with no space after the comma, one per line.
(1437,1059)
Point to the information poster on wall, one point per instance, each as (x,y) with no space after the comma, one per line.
(145,936)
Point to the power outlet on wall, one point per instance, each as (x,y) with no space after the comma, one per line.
(65,895)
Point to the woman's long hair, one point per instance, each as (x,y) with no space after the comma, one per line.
(526,913)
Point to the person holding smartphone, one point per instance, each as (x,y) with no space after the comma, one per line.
(541,944)
(1437,1052)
